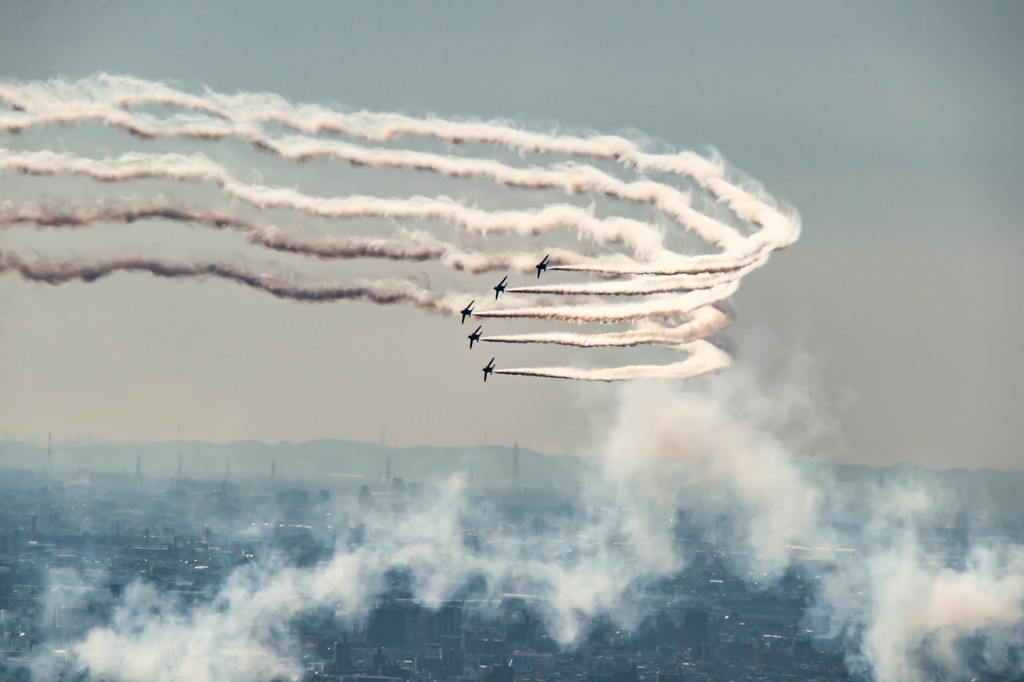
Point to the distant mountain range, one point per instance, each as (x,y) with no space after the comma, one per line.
(341,462)
(340,459)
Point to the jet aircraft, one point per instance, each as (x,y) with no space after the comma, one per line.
(500,288)
(467,311)
(475,336)
(488,369)
(543,265)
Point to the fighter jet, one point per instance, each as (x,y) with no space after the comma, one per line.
(488,369)
(500,289)
(543,265)
(475,336)
(467,311)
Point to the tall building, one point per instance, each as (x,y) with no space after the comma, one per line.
(515,461)
(695,628)
(499,673)
(342,656)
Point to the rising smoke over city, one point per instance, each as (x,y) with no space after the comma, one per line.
(474,344)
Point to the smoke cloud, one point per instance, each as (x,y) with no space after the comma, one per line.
(706,451)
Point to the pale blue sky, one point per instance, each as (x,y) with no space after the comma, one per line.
(893,128)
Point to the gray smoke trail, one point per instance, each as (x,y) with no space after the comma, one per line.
(410,245)
(705,358)
(383,292)
(418,246)
(705,321)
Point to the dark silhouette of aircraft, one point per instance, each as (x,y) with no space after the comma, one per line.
(467,311)
(475,336)
(488,369)
(500,289)
(543,265)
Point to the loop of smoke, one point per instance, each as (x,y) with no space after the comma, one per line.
(680,287)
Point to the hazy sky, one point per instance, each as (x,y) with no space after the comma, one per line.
(894,129)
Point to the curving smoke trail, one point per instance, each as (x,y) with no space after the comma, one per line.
(571,179)
(92,99)
(410,245)
(382,292)
(644,239)
(677,287)
(95,98)
(705,358)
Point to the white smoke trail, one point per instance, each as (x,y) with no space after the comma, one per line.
(645,240)
(660,307)
(90,95)
(704,321)
(705,358)
(576,179)
(642,286)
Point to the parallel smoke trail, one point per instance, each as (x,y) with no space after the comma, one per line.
(643,286)
(705,358)
(659,308)
(381,292)
(572,180)
(176,167)
(705,321)
(689,291)
(411,245)
(123,92)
